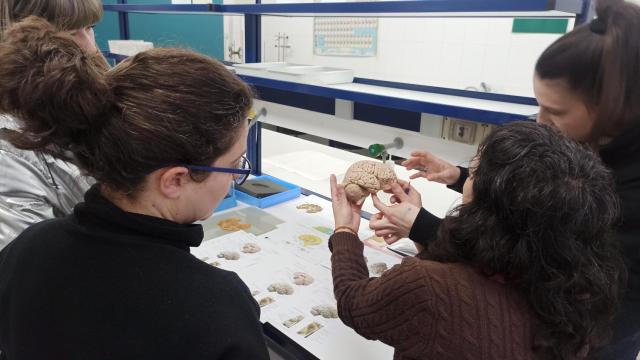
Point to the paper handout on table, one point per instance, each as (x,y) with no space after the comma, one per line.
(404,246)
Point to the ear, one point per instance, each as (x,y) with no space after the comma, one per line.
(592,110)
(173,182)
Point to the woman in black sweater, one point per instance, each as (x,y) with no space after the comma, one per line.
(164,135)
(587,85)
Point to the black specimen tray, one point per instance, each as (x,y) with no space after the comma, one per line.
(260,188)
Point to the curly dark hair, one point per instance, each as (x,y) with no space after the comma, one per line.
(541,216)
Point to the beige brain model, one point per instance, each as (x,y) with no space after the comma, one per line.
(366,177)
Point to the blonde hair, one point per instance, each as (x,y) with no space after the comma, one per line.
(65,15)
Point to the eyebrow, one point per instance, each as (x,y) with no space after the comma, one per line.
(552,109)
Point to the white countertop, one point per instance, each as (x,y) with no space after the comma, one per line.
(292,159)
(434,98)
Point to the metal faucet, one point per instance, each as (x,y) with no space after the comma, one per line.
(232,52)
(282,39)
(485,87)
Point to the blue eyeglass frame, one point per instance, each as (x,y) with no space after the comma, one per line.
(244,173)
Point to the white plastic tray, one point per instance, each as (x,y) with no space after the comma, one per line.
(308,74)
(314,74)
(258,69)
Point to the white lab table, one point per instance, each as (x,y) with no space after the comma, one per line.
(279,159)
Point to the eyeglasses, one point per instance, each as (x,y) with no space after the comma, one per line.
(240,174)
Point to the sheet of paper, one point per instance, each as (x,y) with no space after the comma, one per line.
(238,252)
(404,246)
(287,270)
(315,212)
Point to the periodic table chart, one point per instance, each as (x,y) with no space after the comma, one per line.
(345,36)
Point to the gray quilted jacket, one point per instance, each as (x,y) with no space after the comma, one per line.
(34,187)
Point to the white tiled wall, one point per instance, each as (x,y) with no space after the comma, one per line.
(446,52)
(438,51)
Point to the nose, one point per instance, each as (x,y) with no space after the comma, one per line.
(542,118)
(85,38)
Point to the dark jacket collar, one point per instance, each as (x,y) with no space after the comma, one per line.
(99,212)
(623,149)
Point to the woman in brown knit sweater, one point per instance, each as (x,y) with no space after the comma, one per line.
(524,269)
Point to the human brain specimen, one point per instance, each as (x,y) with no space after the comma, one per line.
(310,208)
(378,268)
(326,311)
(266,301)
(281,288)
(233,224)
(366,177)
(301,278)
(229,255)
(251,248)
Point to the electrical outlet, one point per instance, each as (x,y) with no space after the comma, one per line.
(485,130)
(463,131)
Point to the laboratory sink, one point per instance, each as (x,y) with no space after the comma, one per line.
(308,74)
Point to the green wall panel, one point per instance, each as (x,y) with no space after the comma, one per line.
(202,33)
(108,28)
(540,26)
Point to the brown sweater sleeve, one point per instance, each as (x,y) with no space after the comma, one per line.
(391,308)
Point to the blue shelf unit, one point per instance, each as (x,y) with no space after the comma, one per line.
(321,98)
(415,106)
(381,8)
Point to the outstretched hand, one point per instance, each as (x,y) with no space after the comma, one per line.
(394,222)
(432,168)
(412,195)
(345,213)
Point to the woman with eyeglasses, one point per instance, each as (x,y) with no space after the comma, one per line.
(163,134)
(41,185)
